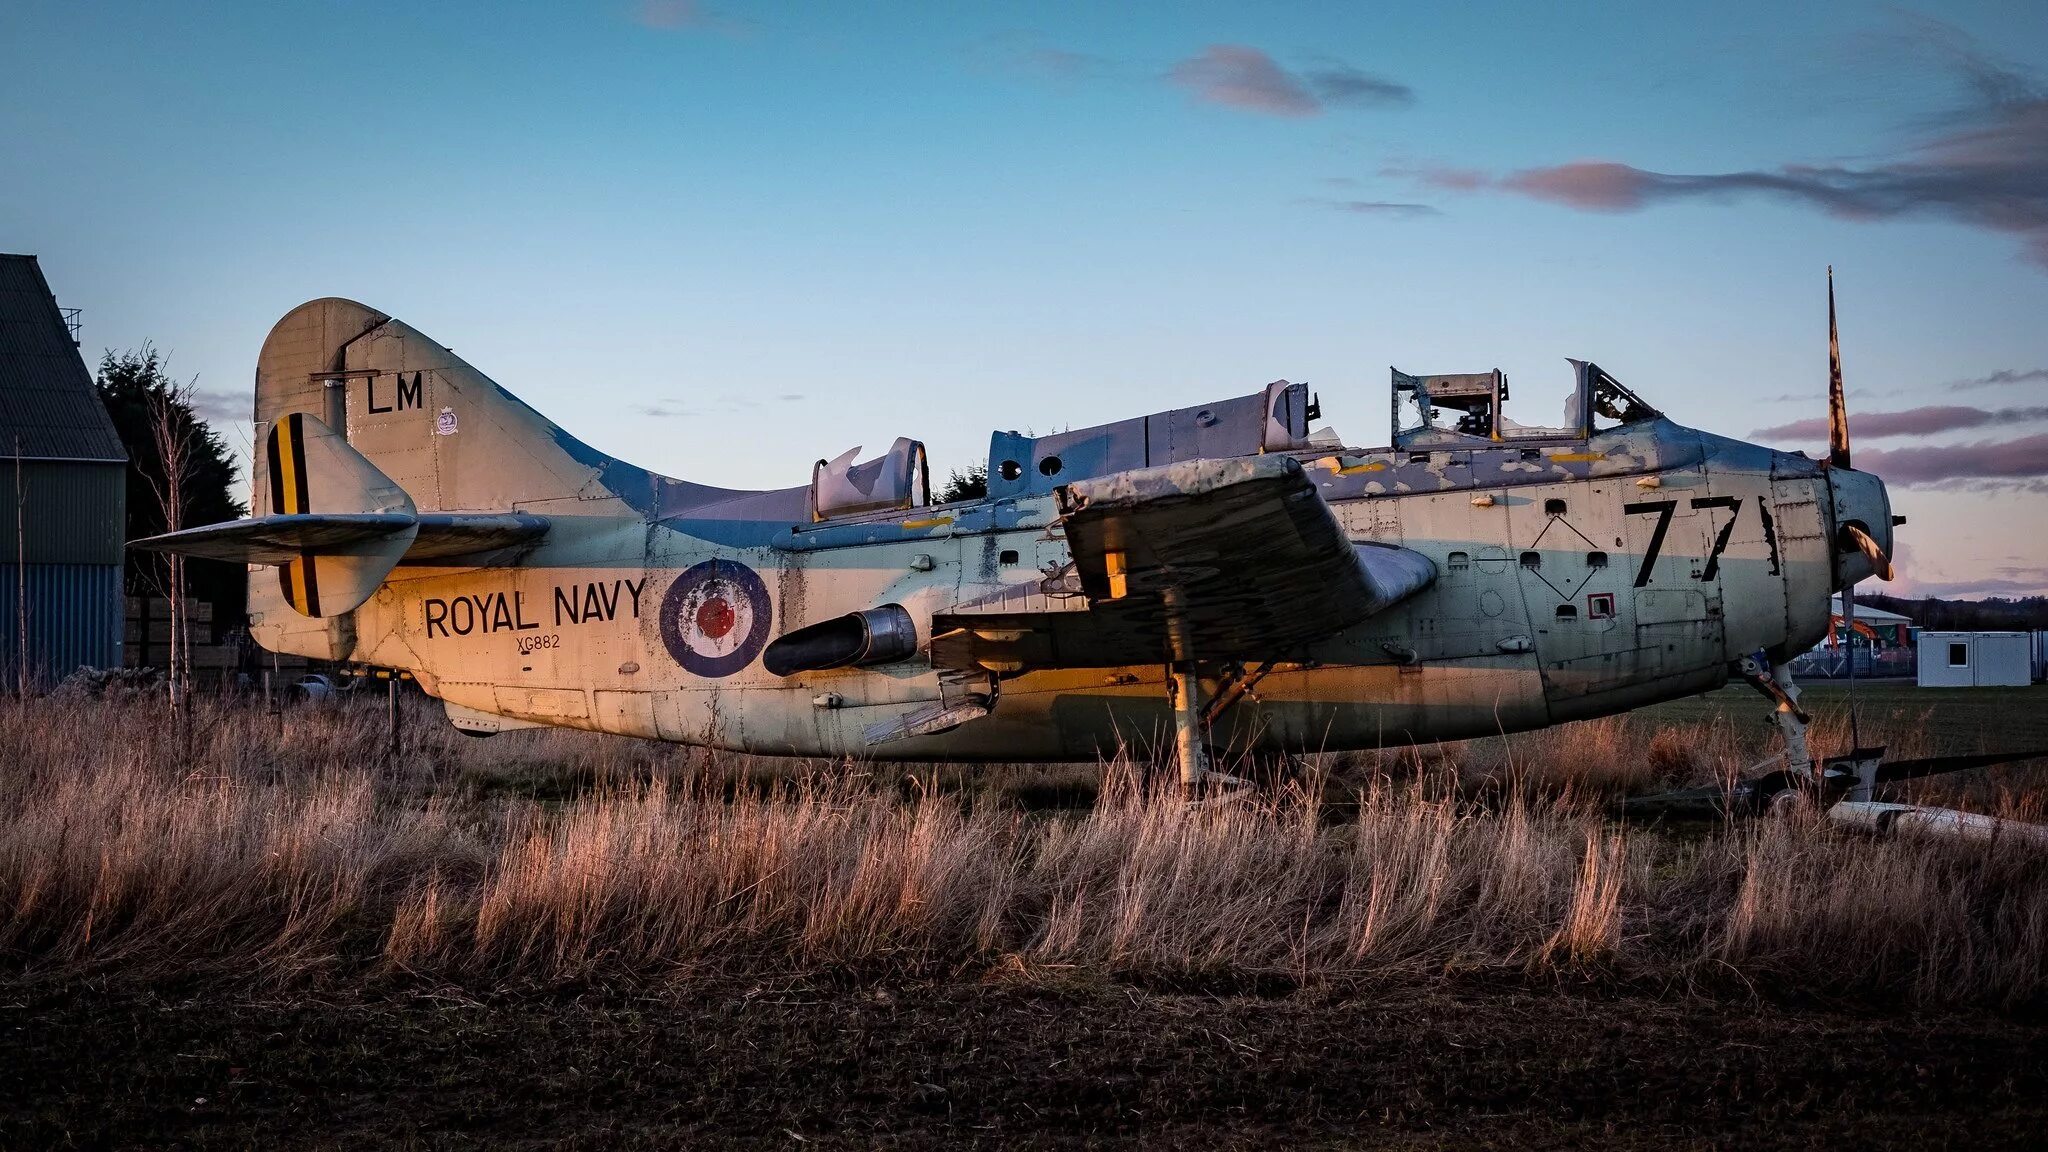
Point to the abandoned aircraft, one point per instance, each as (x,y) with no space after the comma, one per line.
(1221,576)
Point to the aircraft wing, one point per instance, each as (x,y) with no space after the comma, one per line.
(1243,548)
(282,539)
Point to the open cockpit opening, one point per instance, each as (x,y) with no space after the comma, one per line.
(1433,417)
(1469,408)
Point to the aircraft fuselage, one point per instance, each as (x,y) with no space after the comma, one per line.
(1574,580)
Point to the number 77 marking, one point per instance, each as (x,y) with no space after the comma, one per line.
(1734,506)
(1665,509)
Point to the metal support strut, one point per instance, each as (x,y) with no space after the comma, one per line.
(1187,696)
(1776,685)
(1187,725)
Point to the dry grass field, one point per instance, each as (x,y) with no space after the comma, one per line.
(257,938)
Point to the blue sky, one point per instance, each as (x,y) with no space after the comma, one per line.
(725,240)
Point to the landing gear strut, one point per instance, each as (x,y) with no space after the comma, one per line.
(1186,689)
(1841,786)
(1191,719)
(1185,686)
(1777,686)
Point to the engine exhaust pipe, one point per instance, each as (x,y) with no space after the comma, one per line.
(877,636)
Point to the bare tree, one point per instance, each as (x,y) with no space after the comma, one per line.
(21,676)
(176,440)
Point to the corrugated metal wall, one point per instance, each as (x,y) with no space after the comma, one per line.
(74,618)
(75,511)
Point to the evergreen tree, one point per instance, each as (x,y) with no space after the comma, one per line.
(969,485)
(131,384)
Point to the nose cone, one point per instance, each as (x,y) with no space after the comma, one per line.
(1860,504)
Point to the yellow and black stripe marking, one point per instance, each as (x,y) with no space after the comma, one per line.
(298,578)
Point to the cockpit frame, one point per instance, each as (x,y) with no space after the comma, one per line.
(1478,399)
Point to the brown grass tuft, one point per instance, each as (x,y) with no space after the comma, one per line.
(293,852)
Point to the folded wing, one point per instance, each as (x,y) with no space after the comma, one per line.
(1242,552)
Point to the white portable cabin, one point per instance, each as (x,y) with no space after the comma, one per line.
(1975,659)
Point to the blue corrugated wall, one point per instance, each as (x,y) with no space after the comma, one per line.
(74,618)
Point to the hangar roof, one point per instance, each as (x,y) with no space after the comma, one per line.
(47,402)
(1869,613)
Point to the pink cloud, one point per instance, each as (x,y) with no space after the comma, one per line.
(1910,422)
(1454,179)
(1591,185)
(2022,585)
(1995,460)
(1242,77)
(1985,168)
(669,15)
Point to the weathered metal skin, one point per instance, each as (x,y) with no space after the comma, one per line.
(1575,577)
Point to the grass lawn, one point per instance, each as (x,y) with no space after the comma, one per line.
(1957,719)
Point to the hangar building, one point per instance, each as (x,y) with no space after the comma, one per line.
(63,491)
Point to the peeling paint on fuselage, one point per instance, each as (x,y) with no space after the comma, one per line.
(1576,576)
(1494,648)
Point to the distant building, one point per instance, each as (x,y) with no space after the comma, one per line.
(1976,659)
(1877,643)
(63,491)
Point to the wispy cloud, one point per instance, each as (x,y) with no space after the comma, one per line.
(1335,82)
(1378,207)
(1032,55)
(220,407)
(2000,378)
(2022,583)
(1240,76)
(680,15)
(1998,462)
(1985,167)
(671,408)
(1947,574)
(1911,422)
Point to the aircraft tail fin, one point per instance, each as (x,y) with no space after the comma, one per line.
(444,433)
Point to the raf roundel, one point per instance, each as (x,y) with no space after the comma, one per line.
(715,618)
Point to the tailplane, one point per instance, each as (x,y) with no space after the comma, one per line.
(336,525)
(306,457)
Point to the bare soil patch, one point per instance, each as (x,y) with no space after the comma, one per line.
(956,1063)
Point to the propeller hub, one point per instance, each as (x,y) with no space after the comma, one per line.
(1863,527)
